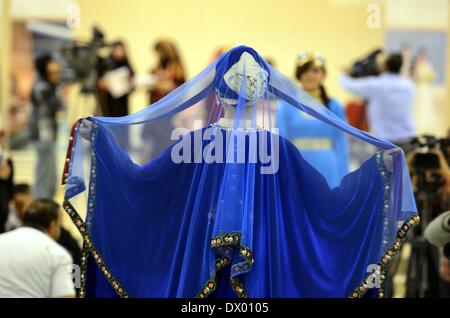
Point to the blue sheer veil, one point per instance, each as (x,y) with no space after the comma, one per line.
(204,214)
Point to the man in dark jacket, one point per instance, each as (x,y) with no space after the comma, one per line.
(6,183)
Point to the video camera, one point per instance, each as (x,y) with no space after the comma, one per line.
(84,58)
(427,160)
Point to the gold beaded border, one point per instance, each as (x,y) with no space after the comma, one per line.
(90,250)
(209,287)
(238,288)
(390,253)
(219,242)
(222,243)
(387,258)
(360,291)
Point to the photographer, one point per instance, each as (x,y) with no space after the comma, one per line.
(436,233)
(390,101)
(428,269)
(423,161)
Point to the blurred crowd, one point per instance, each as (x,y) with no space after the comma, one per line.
(383,104)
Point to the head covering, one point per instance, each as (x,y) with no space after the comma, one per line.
(305,57)
(246,75)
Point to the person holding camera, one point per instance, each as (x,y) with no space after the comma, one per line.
(390,99)
(430,175)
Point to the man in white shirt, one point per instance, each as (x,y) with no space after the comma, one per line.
(32,264)
(390,99)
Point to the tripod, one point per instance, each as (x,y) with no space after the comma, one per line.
(422,276)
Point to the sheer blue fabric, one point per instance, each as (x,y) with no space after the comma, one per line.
(232,208)
(324,147)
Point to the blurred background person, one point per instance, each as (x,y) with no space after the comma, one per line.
(168,74)
(6,182)
(323,146)
(21,199)
(390,99)
(407,68)
(115,81)
(355,108)
(425,113)
(46,101)
(42,269)
(430,175)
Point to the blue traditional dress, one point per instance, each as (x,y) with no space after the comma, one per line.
(324,147)
(196,221)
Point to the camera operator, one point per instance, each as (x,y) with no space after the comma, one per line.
(432,163)
(390,100)
(438,231)
(430,172)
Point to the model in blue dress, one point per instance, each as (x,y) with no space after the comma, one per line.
(324,147)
